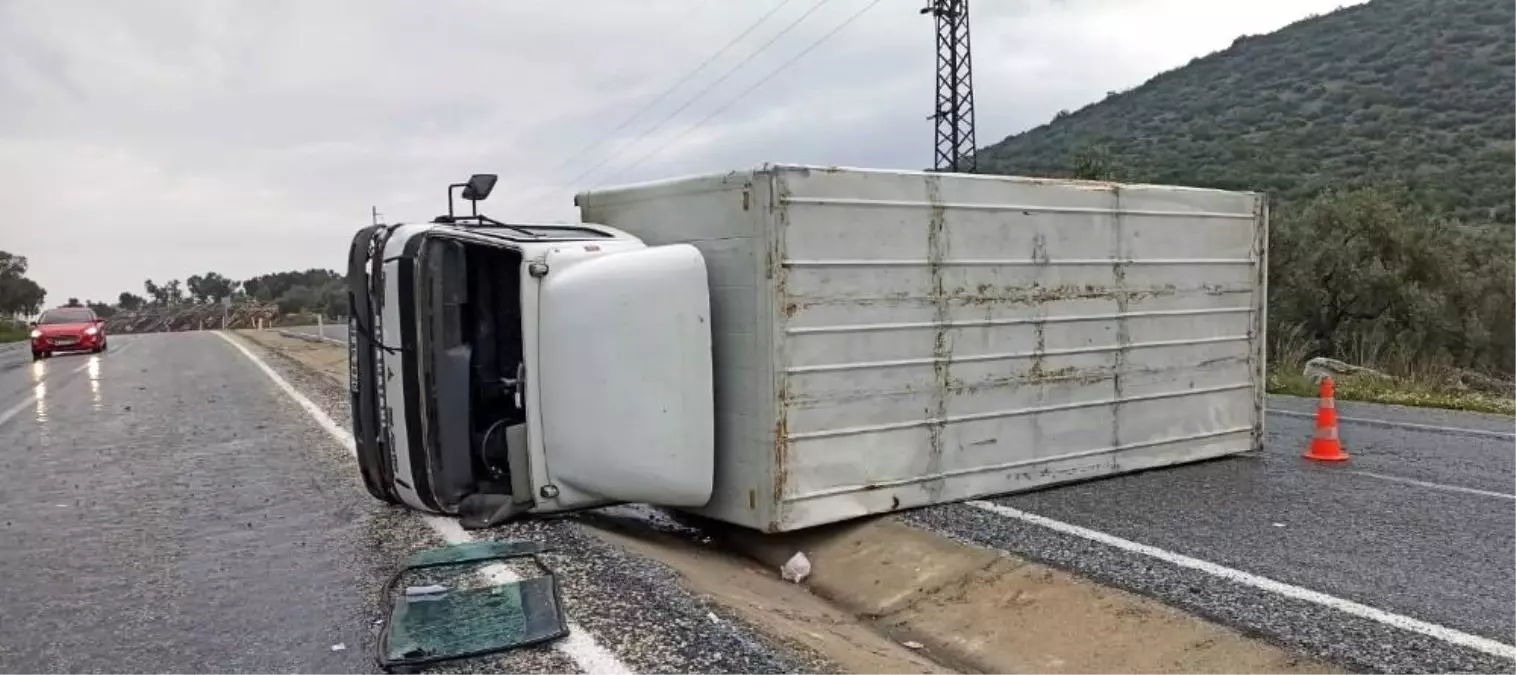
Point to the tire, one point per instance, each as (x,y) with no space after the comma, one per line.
(38,356)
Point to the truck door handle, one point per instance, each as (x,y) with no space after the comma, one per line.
(517,386)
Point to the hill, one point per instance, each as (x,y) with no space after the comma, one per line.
(1413,93)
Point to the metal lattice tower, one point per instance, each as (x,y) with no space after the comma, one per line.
(955,86)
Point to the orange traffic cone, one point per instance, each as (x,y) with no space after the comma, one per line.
(1326,447)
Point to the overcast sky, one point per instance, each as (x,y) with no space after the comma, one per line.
(160,139)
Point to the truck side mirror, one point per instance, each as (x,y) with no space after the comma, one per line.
(479,186)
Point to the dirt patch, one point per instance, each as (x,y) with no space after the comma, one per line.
(326,358)
(782,610)
(1027,618)
(983,610)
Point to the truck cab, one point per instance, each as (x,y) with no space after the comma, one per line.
(499,369)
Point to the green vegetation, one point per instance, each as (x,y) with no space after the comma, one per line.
(13,331)
(268,299)
(19,296)
(1408,92)
(1419,393)
(1385,137)
(313,291)
(1372,279)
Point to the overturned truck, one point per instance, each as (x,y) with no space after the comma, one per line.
(790,346)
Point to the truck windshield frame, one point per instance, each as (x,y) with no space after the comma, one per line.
(533,232)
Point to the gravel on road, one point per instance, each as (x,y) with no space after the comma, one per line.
(167,508)
(1416,549)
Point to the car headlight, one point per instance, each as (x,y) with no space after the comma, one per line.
(36,333)
(91,330)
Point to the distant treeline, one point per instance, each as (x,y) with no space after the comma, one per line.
(312,291)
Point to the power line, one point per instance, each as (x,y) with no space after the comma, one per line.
(745,92)
(649,105)
(819,4)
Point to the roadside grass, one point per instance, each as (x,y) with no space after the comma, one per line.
(10,332)
(1409,392)
(1406,380)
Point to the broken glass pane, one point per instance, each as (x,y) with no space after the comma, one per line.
(460,601)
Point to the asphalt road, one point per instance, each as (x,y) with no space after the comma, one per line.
(168,508)
(14,354)
(1420,524)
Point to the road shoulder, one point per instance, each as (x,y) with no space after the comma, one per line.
(724,593)
(886,583)
(985,610)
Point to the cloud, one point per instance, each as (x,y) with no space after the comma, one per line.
(163,138)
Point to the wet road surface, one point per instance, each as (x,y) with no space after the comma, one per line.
(161,514)
(1420,523)
(168,509)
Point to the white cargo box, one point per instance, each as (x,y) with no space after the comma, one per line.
(885,339)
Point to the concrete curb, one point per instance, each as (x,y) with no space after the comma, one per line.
(978,609)
(308,337)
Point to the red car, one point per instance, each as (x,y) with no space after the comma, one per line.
(67,329)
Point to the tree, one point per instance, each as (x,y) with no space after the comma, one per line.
(1093,163)
(130,301)
(1369,276)
(12,265)
(101,309)
(27,298)
(173,292)
(18,294)
(211,287)
(73,302)
(297,299)
(156,292)
(270,287)
(193,283)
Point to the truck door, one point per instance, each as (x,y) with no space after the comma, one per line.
(624,384)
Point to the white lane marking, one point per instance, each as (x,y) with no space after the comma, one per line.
(1432,630)
(1425,484)
(31,396)
(579,645)
(1405,425)
(23,404)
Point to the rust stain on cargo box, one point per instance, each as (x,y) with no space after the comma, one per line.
(1031,294)
(781,458)
(937,244)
